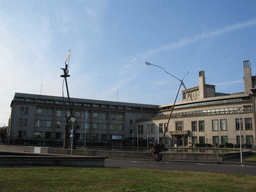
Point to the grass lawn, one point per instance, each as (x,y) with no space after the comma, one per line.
(116,179)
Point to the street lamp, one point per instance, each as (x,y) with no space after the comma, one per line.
(240,126)
(181,84)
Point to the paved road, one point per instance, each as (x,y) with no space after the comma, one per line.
(231,168)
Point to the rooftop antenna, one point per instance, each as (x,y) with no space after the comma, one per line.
(181,84)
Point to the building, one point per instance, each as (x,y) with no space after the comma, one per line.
(41,119)
(211,117)
(208,118)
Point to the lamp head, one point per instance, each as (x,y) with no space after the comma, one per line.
(147,63)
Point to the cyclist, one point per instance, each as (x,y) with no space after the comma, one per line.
(156,149)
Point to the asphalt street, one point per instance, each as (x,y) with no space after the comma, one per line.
(229,168)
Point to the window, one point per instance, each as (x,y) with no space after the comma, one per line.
(38,123)
(48,135)
(215,140)
(238,139)
(25,122)
(104,115)
(223,125)
(152,128)
(201,140)
(120,127)
(77,114)
(39,111)
(165,126)
(121,117)
(26,110)
(113,116)
(21,122)
(49,112)
(148,131)
(238,123)
(21,110)
(130,121)
(58,124)
(179,126)
(248,123)
(161,128)
(58,135)
(58,113)
(48,123)
(249,139)
(224,139)
(194,126)
(215,126)
(104,126)
(38,135)
(87,115)
(201,126)
(87,125)
(25,133)
(194,140)
(95,125)
(112,127)
(95,115)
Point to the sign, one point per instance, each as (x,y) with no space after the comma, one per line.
(180,132)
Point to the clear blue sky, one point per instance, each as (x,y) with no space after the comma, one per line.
(110,41)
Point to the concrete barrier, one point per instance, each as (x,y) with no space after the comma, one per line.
(25,149)
(182,156)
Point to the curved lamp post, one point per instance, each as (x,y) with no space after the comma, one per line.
(181,84)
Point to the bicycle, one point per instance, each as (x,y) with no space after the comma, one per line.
(160,158)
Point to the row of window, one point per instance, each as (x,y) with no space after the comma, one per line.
(151,128)
(80,104)
(216,140)
(80,114)
(59,124)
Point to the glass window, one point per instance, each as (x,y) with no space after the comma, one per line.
(25,122)
(165,127)
(194,140)
(104,115)
(58,124)
(104,126)
(179,126)
(95,125)
(112,127)
(87,125)
(77,114)
(215,126)
(113,116)
(26,110)
(95,115)
(249,140)
(21,122)
(48,123)
(58,113)
(248,123)
(238,123)
(238,139)
(49,112)
(87,114)
(194,126)
(38,123)
(152,128)
(215,139)
(121,117)
(160,127)
(21,110)
(224,139)
(39,111)
(120,127)
(201,126)
(223,125)
(201,140)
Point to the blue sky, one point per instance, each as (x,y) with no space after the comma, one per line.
(110,41)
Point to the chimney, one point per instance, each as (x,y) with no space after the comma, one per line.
(247,77)
(201,85)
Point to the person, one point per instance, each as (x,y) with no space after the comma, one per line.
(156,149)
